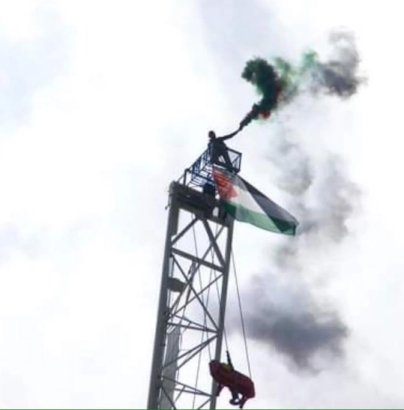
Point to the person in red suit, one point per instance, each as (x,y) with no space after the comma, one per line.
(240,386)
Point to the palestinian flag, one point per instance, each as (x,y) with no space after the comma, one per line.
(246,204)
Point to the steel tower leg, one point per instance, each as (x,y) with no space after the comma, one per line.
(192,301)
(161,325)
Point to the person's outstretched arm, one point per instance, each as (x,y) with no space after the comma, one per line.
(226,137)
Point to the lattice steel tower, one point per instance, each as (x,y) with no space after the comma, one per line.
(192,305)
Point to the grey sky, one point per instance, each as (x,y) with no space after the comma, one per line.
(103,104)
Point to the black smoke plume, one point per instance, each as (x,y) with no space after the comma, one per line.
(285,316)
(279,82)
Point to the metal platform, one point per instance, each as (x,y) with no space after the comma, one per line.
(200,172)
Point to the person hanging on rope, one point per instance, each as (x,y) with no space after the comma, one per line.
(241,387)
(218,149)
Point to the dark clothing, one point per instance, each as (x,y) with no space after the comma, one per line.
(219,154)
(218,151)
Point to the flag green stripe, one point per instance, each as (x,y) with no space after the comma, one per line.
(246,204)
(258,219)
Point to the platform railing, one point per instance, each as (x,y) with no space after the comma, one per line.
(199,174)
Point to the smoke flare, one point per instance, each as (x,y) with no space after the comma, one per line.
(260,73)
(280,82)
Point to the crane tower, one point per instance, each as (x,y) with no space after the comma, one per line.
(192,304)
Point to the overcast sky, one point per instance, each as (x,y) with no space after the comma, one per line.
(102,104)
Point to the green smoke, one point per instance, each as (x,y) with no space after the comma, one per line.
(279,82)
(260,73)
(289,76)
(263,75)
(309,62)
